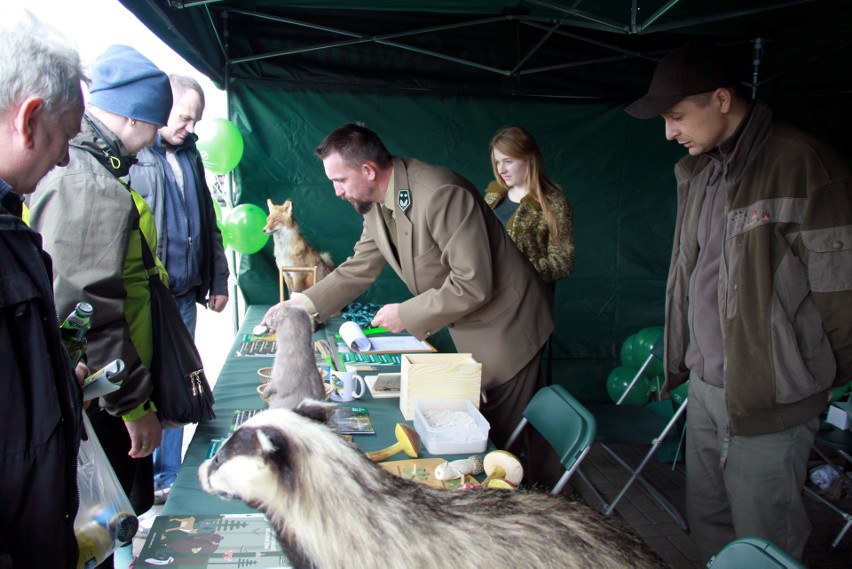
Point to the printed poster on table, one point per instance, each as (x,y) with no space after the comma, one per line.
(212,540)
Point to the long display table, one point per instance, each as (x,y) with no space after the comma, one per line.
(236,389)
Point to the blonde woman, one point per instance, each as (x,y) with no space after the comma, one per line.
(530,205)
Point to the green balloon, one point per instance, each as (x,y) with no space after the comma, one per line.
(657,380)
(645,340)
(620,378)
(627,353)
(242,229)
(220,145)
(227,234)
(840,392)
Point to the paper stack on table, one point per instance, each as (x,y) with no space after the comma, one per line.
(355,339)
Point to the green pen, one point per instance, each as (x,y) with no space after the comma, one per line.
(370,331)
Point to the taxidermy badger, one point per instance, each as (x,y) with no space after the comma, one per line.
(294,372)
(291,249)
(332,507)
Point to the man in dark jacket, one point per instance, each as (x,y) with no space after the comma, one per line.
(170,176)
(41,104)
(758,300)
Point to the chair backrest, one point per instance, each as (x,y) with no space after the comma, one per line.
(753,553)
(564,422)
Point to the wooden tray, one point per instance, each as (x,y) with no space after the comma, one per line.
(423,470)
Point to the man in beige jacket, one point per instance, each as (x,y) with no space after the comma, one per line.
(433,228)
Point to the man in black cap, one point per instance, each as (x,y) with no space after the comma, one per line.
(758,299)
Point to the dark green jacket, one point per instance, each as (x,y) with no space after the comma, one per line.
(90,226)
(785,280)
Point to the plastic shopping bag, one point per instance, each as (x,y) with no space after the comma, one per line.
(105,520)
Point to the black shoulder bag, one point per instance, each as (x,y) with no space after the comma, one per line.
(181,392)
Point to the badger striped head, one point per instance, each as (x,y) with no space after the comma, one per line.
(261,459)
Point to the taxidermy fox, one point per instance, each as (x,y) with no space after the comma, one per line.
(291,249)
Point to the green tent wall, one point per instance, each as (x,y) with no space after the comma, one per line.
(623,209)
(563,70)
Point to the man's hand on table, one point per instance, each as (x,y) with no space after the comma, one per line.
(275,308)
(388,318)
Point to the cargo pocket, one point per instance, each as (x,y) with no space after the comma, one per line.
(801,354)
(829,258)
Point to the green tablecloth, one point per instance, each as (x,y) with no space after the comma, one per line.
(236,388)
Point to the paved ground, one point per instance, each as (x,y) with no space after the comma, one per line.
(660,531)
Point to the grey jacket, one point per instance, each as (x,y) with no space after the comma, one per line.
(89,223)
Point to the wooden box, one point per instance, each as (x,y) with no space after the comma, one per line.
(438,376)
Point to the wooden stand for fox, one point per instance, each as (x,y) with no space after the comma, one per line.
(312,271)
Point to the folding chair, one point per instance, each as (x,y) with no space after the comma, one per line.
(564,423)
(633,424)
(841,442)
(754,553)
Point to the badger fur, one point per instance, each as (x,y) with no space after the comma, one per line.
(332,507)
(294,372)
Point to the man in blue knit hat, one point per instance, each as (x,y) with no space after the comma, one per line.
(92,225)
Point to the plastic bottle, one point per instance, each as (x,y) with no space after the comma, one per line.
(74,329)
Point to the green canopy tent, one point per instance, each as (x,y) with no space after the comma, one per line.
(436,79)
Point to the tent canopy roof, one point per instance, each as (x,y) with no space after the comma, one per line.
(583,50)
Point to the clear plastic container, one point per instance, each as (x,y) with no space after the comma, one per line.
(451,440)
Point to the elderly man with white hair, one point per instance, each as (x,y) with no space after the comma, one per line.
(41,104)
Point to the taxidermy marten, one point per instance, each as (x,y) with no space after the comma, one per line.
(295,376)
